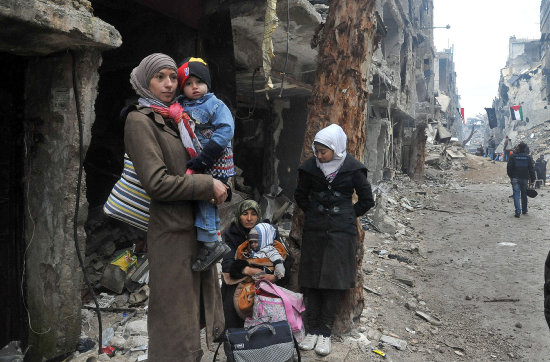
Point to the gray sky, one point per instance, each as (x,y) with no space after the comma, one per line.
(480,30)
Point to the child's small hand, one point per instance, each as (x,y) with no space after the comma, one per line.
(197,164)
(209,154)
(279,271)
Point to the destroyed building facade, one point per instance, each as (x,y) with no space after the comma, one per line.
(66,66)
(522,83)
(448,120)
(401,103)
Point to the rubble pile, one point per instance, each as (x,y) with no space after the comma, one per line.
(537,138)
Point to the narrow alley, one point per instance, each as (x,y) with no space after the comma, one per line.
(479,273)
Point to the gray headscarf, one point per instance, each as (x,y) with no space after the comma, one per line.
(142,74)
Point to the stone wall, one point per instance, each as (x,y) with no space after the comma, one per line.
(53,274)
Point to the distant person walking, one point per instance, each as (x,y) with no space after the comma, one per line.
(521,172)
(540,169)
(491,148)
(508,147)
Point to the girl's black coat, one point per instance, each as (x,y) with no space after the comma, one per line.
(329,238)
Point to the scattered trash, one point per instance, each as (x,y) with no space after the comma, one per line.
(399,258)
(115,274)
(139,348)
(379,352)
(84,345)
(106,336)
(109,351)
(506,243)
(433,320)
(143,357)
(127,317)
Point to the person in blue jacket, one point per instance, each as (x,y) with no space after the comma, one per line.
(521,171)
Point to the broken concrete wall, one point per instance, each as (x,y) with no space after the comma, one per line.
(53,274)
(379,138)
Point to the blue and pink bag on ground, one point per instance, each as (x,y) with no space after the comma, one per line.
(273,303)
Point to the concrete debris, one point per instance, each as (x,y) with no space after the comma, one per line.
(454,154)
(137,327)
(12,352)
(370,290)
(433,320)
(397,343)
(404,280)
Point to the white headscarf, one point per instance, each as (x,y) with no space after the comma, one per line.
(334,138)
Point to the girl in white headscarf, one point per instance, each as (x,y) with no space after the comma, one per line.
(326,184)
(329,146)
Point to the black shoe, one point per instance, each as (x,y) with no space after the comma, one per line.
(517,215)
(524,212)
(209,256)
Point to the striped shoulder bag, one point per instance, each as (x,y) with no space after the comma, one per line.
(128,200)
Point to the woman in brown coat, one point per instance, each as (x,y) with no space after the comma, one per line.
(177,311)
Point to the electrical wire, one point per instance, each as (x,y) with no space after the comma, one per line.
(250,111)
(287,42)
(77,205)
(27,248)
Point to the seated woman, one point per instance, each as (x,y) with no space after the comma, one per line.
(246,217)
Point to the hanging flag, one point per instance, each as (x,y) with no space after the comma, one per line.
(517,113)
(492,117)
(461,112)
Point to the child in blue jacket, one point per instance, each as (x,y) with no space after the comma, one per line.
(214,128)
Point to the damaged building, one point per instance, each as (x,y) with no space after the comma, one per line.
(401,102)
(522,83)
(66,67)
(448,120)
